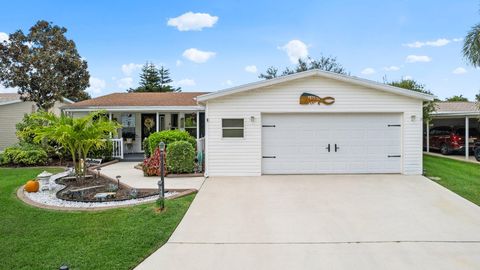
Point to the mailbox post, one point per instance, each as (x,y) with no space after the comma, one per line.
(161,183)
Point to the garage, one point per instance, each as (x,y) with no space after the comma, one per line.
(313,122)
(331,143)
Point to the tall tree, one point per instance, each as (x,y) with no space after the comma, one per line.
(44,65)
(471,46)
(323,63)
(428,106)
(153,79)
(457,98)
(477,98)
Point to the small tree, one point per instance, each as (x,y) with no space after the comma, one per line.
(323,63)
(428,106)
(44,65)
(78,135)
(153,79)
(457,98)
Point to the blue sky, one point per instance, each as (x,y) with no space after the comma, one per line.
(211,45)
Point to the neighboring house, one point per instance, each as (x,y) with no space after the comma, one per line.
(143,113)
(290,125)
(306,123)
(12,110)
(457,114)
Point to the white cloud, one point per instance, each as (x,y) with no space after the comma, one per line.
(198,56)
(186,82)
(178,63)
(459,70)
(126,82)
(228,83)
(129,69)
(251,69)
(432,43)
(391,68)
(96,85)
(3,37)
(417,58)
(193,21)
(295,50)
(368,71)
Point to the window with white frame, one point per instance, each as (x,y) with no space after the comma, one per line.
(232,128)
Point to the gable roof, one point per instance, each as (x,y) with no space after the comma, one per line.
(139,99)
(318,73)
(11,98)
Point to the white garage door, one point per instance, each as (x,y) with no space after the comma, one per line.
(331,143)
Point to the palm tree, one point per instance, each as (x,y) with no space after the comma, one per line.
(471,46)
(78,135)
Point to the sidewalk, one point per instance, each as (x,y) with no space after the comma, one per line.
(134,177)
(470,159)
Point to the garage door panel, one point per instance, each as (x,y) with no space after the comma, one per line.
(298,142)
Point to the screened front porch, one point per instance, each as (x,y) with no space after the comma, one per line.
(136,126)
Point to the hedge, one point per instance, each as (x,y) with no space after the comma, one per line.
(168,137)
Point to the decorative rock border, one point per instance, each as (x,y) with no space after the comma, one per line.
(97,206)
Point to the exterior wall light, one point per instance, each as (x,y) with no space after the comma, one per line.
(252,118)
(413,118)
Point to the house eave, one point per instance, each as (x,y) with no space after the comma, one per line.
(319,73)
(135,108)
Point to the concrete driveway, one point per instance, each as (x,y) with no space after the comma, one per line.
(324,222)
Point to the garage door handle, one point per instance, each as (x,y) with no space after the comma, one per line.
(336,148)
(269,157)
(328,148)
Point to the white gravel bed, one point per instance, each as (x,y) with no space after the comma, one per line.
(48,197)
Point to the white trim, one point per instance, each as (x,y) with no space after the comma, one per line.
(320,73)
(11,102)
(467,135)
(136,108)
(464,113)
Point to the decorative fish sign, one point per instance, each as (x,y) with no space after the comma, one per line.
(307,98)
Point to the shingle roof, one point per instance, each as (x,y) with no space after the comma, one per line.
(6,98)
(459,106)
(140,99)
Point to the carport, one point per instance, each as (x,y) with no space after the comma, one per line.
(454,114)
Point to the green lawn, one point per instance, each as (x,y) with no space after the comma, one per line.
(460,177)
(32,238)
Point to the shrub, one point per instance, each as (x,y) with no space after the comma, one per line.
(104,152)
(151,165)
(146,147)
(168,137)
(180,157)
(26,134)
(25,155)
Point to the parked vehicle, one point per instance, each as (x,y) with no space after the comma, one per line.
(452,139)
(476,150)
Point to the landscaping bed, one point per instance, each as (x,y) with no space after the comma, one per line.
(34,238)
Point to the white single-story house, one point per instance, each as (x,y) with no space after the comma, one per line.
(12,110)
(313,122)
(144,113)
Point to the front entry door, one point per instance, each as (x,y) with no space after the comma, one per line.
(149,124)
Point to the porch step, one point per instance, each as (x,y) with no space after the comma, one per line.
(133,157)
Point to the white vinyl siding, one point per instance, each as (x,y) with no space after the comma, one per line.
(243,157)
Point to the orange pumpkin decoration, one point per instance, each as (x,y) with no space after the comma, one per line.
(32,186)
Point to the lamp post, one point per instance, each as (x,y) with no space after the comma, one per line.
(161,183)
